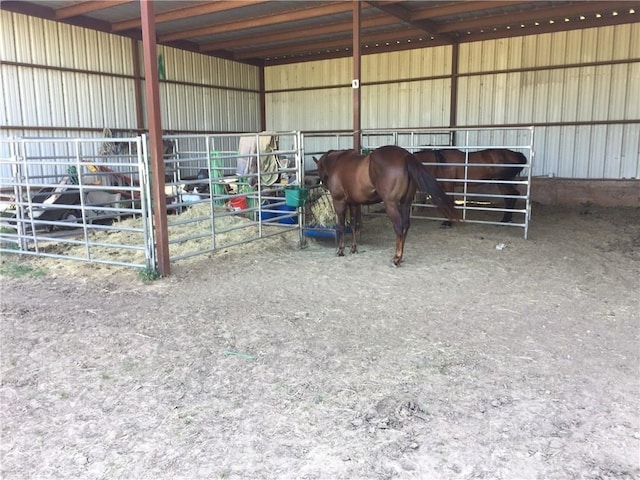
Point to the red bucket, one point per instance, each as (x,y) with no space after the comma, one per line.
(238,203)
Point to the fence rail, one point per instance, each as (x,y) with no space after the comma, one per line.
(469,199)
(86,200)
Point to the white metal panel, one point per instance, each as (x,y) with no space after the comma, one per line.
(632,106)
(184,66)
(8,35)
(309,74)
(325,109)
(551,49)
(406,104)
(32,40)
(630,153)
(11,98)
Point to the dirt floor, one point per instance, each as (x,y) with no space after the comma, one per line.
(468,361)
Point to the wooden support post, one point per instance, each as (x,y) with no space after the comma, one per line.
(155,135)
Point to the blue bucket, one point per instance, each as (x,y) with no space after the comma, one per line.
(279,215)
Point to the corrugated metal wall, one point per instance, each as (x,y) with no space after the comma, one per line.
(62,76)
(58,96)
(204,93)
(551,86)
(587,115)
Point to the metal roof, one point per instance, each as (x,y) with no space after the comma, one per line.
(276,32)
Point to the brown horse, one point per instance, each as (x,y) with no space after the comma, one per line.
(389,174)
(491,164)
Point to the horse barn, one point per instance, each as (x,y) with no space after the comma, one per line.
(173,302)
(552,80)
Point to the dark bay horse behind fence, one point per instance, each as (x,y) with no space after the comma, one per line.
(490,164)
(389,174)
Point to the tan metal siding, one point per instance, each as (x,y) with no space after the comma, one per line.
(309,74)
(37,96)
(567,93)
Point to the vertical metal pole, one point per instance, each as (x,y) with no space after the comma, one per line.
(155,135)
(137,84)
(453,106)
(263,100)
(356,75)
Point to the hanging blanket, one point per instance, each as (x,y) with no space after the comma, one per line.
(248,154)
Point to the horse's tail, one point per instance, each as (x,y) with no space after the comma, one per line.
(428,184)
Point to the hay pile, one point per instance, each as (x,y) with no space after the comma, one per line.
(321,212)
(230,230)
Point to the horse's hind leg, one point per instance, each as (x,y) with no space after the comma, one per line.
(510,192)
(447,187)
(356,224)
(400,228)
(340,208)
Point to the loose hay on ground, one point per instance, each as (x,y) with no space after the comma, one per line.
(231,230)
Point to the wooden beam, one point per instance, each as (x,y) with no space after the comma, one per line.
(152,88)
(83,8)
(284,17)
(187,12)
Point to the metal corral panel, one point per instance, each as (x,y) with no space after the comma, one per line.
(418,63)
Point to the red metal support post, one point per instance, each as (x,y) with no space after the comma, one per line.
(357,129)
(155,135)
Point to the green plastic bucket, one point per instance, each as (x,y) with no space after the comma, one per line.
(217,188)
(295,196)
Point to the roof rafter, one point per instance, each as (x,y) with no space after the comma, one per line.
(187,12)
(87,7)
(297,33)
(541,14)
(405,15)
(344,42)
(299,14)
(460,8)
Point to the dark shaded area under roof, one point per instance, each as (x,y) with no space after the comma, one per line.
(276,32)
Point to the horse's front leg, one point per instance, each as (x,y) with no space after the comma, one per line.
(340,208)
(356,224)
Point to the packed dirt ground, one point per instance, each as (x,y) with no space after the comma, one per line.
(483,356)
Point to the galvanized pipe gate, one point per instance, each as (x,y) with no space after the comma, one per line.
(89,199)
(475,206)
